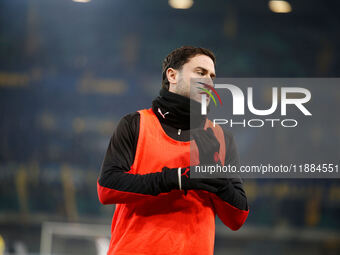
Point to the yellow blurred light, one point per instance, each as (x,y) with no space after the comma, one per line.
(280,6)
(81,1)
(181,4)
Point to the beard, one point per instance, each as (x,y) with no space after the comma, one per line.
(189,89)
(182,87)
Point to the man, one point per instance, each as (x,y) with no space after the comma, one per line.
(159,208)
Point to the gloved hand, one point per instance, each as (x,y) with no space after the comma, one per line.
(223,188)
(172,178)
(208,146)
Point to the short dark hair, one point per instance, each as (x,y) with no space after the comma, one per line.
(178,57)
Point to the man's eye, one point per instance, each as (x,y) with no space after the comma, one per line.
(200,73)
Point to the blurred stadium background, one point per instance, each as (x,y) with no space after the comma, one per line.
(69,70)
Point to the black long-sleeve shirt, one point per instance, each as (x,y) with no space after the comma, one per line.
(121,153)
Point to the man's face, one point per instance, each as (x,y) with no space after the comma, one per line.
(198,68)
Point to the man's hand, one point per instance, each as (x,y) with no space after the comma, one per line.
(179,178)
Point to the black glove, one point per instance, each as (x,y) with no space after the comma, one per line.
(208,146)
(171,180)
(222,187)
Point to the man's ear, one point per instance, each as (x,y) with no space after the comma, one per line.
(172,74)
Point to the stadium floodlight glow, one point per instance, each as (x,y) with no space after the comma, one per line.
(279,6)
(181,4)
(81,1)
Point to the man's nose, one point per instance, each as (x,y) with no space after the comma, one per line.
(210,81)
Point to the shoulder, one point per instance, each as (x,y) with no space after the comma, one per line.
(131,117)
(128,124)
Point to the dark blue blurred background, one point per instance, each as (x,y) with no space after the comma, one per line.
(69,71)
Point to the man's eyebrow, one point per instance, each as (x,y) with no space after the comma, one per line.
(205,70)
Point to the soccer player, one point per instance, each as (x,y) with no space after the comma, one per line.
(145,172)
